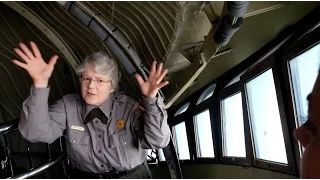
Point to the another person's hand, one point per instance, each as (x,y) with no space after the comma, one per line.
(154,82)
(37,68)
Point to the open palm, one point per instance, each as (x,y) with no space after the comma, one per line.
(154,82)
(34,64)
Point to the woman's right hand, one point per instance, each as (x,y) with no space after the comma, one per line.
(37,68)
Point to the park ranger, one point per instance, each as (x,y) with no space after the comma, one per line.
(107,132)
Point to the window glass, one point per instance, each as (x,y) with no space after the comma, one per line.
(151,154)
(181,141)
(303,71)
(265,119)
(203,134)
(182,109)
(232,126)
(206,94)
(161,155)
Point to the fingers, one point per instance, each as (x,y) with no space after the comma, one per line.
(156,73)
(139,79)
(159,69)
(26,51)
(159,79)
(23,65)
(21,54)
(163,84)
(153,70)
(35,49)
(53,60)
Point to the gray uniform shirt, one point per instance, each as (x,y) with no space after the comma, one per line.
(95,146)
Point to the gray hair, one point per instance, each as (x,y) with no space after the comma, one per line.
(103,64)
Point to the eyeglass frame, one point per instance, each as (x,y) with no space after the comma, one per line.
(96,81)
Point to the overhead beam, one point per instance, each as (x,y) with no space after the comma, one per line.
(255,7)
(179,85)
(259,7)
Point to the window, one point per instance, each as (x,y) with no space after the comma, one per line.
(152,155)
(235,80)
(203,135)
(232,126)
(182,109)
(151,158)
(161,155)
(181,141)
(206,94)
(304,71)
(265,119)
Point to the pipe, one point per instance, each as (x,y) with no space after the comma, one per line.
(226,30)
(237,8)
(104,36)
(230,22)
(113,39)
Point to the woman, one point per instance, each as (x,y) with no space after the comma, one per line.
(106,131)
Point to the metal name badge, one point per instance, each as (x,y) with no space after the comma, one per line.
(77,128)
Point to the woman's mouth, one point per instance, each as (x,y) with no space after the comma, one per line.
(91,94)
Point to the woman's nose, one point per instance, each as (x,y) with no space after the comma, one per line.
(302,134)
(91,84)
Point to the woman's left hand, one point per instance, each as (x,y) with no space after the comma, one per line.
(154,82)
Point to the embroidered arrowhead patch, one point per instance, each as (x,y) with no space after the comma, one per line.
(140,109)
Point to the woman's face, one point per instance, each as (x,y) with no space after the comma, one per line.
(308,136)
(95,88)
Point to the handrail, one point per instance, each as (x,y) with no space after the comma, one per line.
(39,169)
(9,126)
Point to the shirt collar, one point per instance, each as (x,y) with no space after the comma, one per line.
(104,107)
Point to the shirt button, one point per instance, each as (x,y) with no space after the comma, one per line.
(124,143)
(74,141)
(99,136)
(99,151)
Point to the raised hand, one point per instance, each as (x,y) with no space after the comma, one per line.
(37,68)
(150,88)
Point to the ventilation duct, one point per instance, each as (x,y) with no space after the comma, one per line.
(231,22)
(105,36)
(111,36)
(226,30)
(237,8)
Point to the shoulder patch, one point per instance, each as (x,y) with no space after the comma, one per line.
(140,109)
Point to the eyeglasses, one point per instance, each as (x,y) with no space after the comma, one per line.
(87,80)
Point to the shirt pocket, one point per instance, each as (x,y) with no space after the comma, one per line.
(121,144)
(79,138)
(79,146)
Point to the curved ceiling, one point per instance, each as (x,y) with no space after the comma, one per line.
(171,32)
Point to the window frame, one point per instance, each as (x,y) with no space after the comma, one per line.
(249,75)
(223,94)
(177,120)
(203,159)
(178,111)
(304,44)
(200,99)
(196,109)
